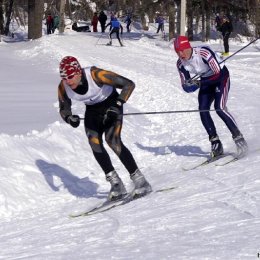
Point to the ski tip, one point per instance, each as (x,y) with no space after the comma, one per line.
(166,189)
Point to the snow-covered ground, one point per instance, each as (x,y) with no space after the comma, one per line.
(48,170)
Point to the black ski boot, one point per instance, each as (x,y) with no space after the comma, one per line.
(216,147)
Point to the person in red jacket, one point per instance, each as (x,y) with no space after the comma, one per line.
(94,22)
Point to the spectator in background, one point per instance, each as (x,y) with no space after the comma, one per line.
(56,22)
(94,22)
(226,28)
(49,23)
(102,19)
(217,22)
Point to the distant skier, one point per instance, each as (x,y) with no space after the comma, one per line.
(104,115)
(115,27)
(214,85)
(128,21)
(160,20)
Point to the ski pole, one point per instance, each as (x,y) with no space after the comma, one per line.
(170,112)
(197,76)
(99,39)
(167,112)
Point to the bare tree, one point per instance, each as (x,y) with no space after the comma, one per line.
(62,16)
(8,17)
(35,15)
(1,17)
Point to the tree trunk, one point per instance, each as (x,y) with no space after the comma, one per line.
(1,18)
(35,15)
(172,18)
(8,17)
(62,16)
(189,20)
(203,34)
(207,9)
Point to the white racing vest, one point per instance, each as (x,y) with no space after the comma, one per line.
(196,65)
(94,95)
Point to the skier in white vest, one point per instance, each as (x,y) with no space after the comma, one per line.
(96,88)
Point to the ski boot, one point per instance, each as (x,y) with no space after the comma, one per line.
(109,43)
(142,186)
(117,190)
(242,148)
(216,147)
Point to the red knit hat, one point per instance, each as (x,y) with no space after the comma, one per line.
(181,43)
(69,66)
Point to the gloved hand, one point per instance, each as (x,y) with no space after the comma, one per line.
(191,85)
(191,82)
(112,113)
(73,120)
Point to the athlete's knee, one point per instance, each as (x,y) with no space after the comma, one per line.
(94,140)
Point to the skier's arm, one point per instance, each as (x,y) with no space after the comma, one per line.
(64,102)
(209,57)
(184,74)
(108,25)
(101,77)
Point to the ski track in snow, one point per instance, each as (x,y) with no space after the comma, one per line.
(50,173)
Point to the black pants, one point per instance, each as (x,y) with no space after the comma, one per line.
(218,93)
(225,41)
(116,31)
(95,129)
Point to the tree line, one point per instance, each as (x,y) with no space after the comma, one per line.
(200,14)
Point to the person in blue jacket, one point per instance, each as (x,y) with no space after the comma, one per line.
(115,28)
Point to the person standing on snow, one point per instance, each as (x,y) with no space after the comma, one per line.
(128,21)
(115,26)
(104,115)
(49,23)
(94,22)
(160,21)
(226,28)
(102,19)
(214,85)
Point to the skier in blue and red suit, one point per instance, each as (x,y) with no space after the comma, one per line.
(214,85)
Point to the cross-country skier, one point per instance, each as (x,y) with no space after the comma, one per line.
(115,27)
(104,115)
(214,85)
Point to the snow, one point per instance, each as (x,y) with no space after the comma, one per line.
(48,170)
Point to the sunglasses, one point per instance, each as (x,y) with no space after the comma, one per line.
(69,77)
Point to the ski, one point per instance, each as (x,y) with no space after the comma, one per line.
(108,205)
(235,158)
(206,162)
(104,205)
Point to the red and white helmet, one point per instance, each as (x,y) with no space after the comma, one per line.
(69,66)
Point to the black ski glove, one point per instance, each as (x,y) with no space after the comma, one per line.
(112,113)
(73,120)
